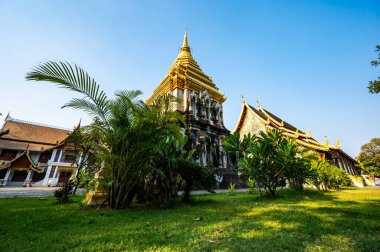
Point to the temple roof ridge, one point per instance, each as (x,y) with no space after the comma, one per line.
(11,119)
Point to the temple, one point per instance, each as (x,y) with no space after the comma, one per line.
(202,105)
(33,154)
(252,120)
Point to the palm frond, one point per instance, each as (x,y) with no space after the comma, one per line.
(73,78)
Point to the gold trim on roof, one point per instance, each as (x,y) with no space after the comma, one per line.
(301,138)
(185,73)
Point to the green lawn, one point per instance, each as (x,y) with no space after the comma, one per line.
(346,220)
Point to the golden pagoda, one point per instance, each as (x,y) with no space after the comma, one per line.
(185,75)
(202,106)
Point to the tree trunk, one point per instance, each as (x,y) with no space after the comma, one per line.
(187,191)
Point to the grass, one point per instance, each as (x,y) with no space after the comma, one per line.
(346,220)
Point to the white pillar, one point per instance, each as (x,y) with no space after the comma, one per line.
(55,172)
(48,170)
(53,155)
(185,99)
(60,156)
(29,176)
(6,178)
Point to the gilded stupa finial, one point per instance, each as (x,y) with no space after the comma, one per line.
(185,44)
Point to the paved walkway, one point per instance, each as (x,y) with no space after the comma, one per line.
(11,192)
(200,192)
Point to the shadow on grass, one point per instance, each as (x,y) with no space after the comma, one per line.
(293,222)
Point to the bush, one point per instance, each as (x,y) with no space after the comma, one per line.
(231,190)
(62,194)
(329,176)
(251,185)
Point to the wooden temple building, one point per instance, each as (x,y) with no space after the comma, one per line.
(202,105)
(252,120)
(33,154)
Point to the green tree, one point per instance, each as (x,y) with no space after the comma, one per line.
(297,163)
(369,157)
(140,147)
(270,159)
(84,142)
(374,86)
(329,176)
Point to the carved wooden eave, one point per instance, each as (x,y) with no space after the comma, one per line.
(32,165)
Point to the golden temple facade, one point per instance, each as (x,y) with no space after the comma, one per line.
(252,120)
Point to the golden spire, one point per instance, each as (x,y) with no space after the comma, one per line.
(185,44)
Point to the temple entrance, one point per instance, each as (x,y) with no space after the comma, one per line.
(19,176)
(38,176)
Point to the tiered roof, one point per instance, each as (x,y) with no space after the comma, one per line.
(272,121)
(32,136)
(185,73)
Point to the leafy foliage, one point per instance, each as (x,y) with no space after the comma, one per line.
(329,176)
(251,185)
(62,194)
(231,189)
(374,86)
(84,143)
(139,148)
(270,159)
(369,157)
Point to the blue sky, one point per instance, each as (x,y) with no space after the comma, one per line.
(306,61)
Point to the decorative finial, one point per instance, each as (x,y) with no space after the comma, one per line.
(242,98)
(326,141)
(185,44)
(282,123)
(6,118)
(309,133)
(258,103)
(337,144)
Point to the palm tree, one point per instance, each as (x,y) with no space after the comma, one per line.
(140,146)
(125,141)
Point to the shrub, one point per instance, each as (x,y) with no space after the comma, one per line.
(251,185)
(329,176)
(62,194)
(231,190)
